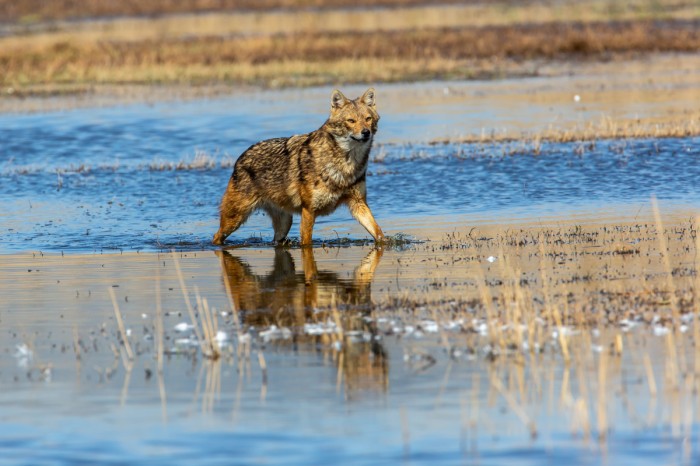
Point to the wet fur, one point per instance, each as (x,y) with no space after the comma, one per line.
(309,174)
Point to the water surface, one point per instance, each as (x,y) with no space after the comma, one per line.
(94,199)
(148,178)
(391,392)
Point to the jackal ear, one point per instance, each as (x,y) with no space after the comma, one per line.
(337,99)
(368,97)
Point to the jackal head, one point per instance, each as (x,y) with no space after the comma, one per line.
(353,122)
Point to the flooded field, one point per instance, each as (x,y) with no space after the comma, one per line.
(140,177)
(538,307)
(523,346)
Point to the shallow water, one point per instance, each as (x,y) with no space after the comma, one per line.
(392,397)
(110,188)
(98,179)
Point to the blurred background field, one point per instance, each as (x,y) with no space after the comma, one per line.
(98,52)
(284,43)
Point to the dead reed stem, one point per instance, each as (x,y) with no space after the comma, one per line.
(160,330)
(651,380)
(602,396)
(76,343)
(663,246)
(210,320)
(696,304)
(673,372)
(159,327)
(212,385)
(340,372)
(120,324)
(186,296)
(211,343)
(551,311)
(229,295)
(127,381)
(494,333)
(263,370)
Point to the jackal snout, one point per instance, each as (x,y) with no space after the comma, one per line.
(361,134)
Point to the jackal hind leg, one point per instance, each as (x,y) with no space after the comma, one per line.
(236,207)
(281,222)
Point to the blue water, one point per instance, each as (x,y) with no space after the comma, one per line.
(93,179)
(422,417)
(108,179)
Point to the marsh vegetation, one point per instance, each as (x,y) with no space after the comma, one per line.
(328,46)
(537,299)
(582,331)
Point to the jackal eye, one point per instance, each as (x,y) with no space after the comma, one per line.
(368,119)
(351,121)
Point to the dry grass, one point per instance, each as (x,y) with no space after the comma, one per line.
(569,308)
(310,47)
(604,128)
(592,302)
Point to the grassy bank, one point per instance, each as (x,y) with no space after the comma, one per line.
(326,58)
(303,47)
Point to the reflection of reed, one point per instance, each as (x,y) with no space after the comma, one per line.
(159,347)
(209,323)
(289,299)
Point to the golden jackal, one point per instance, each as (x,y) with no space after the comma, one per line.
(311,174)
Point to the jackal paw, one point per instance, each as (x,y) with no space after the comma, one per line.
(283,242)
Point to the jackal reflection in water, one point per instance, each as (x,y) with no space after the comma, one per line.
(290,299)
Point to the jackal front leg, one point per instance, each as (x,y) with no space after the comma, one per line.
(357,202)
